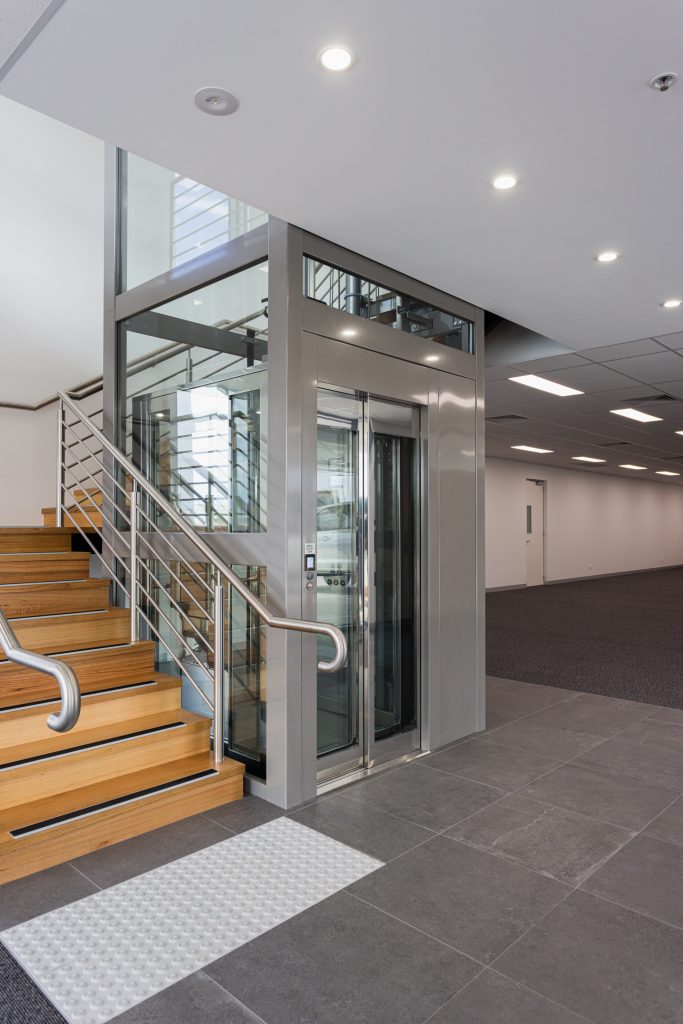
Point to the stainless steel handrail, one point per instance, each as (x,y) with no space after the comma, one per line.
(333,633)
(63,673)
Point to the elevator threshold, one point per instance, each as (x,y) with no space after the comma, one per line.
(358,774)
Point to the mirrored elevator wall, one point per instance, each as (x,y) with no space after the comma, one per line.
(235,427)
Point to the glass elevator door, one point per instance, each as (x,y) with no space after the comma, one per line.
(368,560)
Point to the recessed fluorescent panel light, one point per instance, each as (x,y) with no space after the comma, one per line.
(529,448)
(627,465)
(609,256)
(636,414)
(532,381)
(679,431)
(666,472)
(586,458)
(672,303)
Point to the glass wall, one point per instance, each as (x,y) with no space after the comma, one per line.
(338,289)
(194,409)
(168,219)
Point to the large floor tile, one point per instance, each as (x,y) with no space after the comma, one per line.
(668,826)
(636,756)
(615,798)
(240,815)
(608,963)
(592,715)
(538,737)
(424,796)
(37,894)
(661,731)
(548,839)
(509,699)
(196,999)
(493,999)
(647,875)
(491,764)
(364,827)
(115,864)
(343,962)
(465,897)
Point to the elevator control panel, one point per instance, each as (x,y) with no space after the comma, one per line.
(309,565)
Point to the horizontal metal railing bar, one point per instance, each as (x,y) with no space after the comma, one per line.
(101,468)
(155,556)
(83,501)
(274,621)
(179,637)
(104,541)
(182,668)
(174,604)
(180,557)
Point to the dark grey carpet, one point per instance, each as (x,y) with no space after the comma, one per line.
(621,636)
(22,1002)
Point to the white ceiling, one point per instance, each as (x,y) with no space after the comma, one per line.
(611,377)
(393,158)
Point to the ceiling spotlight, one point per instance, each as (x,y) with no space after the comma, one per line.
(627,465)
(502,182)
(586,458)
(530,448)
(672,303)
(218,102)
(532,381)
(666,472)
(336,58)
(636,414)
(608,256)
(663,82)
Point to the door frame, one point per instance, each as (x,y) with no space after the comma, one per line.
(542,485)
(333,364)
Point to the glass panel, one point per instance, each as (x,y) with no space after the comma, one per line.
(338,579)
(194,415)
(168,219)
(395,551)
(177,607)
(340,290)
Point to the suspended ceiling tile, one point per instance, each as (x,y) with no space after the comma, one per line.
(592,377)
(652,369)
(671,340)
(644,347)
(551,363)
(500,372)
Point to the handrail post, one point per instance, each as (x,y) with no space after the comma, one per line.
(134,617)
(218,668)
(59,512)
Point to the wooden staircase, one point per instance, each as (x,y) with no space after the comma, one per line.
(134,761)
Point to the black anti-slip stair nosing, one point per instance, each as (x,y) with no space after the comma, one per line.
(54,754)
(89,693)
(82,812)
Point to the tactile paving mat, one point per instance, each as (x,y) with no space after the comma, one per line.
(107,952)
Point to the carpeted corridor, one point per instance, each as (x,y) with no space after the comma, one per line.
(621,636)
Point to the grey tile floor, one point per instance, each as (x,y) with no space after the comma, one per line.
(532,876)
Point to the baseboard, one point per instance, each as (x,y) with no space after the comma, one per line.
(512,586)
(592,576)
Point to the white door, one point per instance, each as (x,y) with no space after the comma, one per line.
(535,532)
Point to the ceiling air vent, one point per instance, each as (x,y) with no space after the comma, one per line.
(649,400)
(511,418)
(615,444)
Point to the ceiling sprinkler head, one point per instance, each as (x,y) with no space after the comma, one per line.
(662,83)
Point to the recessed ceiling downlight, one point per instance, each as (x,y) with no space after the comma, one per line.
(215,101)
(672,303)
(608,256)
(336,58)
(503,182)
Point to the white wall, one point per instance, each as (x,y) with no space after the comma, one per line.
(595,523)
(51,254)
(27,465)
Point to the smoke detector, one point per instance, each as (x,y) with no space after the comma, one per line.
(663,82)
(218,102)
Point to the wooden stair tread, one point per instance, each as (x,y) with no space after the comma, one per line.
(112,789)
(95,669)
(23,600)
(59,742)
(53,634)
(118,690)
